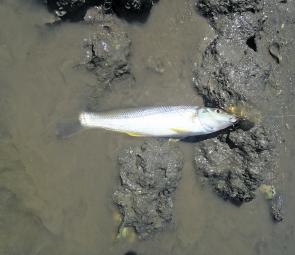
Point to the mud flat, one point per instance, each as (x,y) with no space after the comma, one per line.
(248,65)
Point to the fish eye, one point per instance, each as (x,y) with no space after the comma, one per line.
(217,110)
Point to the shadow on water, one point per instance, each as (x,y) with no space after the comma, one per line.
(243,124)
(130,253)
(197,139)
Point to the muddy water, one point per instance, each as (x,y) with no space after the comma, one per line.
(64,188)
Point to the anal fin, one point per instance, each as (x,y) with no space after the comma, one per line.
(179,130)
(134,134)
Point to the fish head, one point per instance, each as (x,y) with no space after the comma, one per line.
(215,119)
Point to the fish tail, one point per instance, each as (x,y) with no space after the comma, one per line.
(65,130)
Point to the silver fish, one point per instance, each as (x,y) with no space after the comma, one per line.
(162,121)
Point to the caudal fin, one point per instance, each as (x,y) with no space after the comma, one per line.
(65,130)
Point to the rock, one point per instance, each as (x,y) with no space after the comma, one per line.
(132,8)
(107,51)
(238,26)
(70,9)
(96,15)
(76,9)
(106,54)
(149,177)
(235,72)
(232,164)
(215,7)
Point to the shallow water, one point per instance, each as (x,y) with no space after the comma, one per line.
(64,187)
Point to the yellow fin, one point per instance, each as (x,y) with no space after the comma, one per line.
(134,134)
(179,130)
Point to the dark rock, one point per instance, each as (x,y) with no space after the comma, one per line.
(235,164)
(76,9)
(71,9)
(238,26)
(215,7)
(132,8)
(149,176)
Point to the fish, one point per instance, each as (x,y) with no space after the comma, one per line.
(160,121)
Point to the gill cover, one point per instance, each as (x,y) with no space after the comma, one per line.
(214,119)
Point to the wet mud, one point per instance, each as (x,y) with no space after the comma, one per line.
(17,195)
(150,174)
(63,192)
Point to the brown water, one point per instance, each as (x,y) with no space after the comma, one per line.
(68,184)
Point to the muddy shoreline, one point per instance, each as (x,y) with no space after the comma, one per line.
(246,64)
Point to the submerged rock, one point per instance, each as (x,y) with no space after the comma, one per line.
(149,176)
